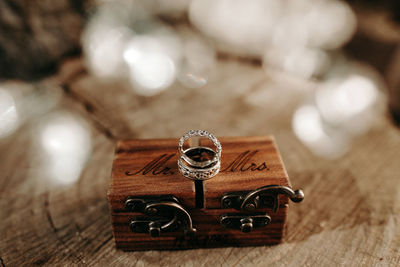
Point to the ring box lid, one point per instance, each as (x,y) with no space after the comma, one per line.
(247,163)
(148,168)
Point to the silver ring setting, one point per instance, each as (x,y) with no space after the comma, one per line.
(199,163)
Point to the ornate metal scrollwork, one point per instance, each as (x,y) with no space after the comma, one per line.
(161,214)
(251,201)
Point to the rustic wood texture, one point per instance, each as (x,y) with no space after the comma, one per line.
(209,233)
(350,216)
(149,168)
(247,164)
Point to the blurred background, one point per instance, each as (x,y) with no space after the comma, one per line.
(78,75)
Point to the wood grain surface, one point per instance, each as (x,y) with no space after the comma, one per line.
(350,216)
(247,163)
(148,168)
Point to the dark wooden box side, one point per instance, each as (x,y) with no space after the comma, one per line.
(209,233)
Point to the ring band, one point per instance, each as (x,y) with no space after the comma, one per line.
(199,164)
(198,174)
(199,169)
(200,133)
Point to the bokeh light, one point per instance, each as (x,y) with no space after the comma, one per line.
(309,128)
(9,119)
(125,40)
(151,64)
(137,43)
(301,61)
(231,23)
(341,99)
(289,24)
(330,23)
(104,49)
(346,104)
(66,142)
(198,61)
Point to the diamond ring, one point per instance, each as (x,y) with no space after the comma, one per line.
(199,163)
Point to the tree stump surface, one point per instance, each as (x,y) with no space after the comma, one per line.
(350,216)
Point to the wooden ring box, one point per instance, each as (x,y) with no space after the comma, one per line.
(145,173)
